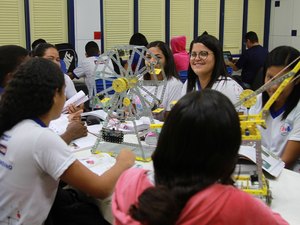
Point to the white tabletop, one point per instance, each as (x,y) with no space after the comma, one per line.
(286,196)
(285,189)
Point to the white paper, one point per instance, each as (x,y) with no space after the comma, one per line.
(59,125)
(95,129)
(76,99)
(98,113)
(98,163)
(271,163)
(83,143)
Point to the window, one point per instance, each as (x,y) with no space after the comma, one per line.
(182,19)
(256,18)
(49,20)
(12,23)
(152,22)
(118,22)
(233,23)
(209,17)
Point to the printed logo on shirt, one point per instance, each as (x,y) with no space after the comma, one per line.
(5,137)
(3,149)
(286,128)
(6,165)
(3,146)
(13,213)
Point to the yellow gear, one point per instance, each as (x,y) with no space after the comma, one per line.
(120,85)
(126,102)
(250,102)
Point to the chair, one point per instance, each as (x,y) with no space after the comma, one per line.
(183,75)
(68,54)
(258,80)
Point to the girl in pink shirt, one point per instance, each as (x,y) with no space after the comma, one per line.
(191,184)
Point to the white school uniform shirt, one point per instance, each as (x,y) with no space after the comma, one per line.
(70,87)
(86,69)
(278,132)
(172,93)
(228,87)
(32,159)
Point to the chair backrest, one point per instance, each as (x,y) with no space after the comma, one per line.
(258,80)
(227,55)
(183,75)
(68,54)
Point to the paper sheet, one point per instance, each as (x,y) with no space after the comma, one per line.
(271,163)
(98,163)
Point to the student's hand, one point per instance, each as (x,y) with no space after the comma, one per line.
(70,74)
(79,176)
(76,116)
(74,130)
(72,108)
(77,129)
(125,159)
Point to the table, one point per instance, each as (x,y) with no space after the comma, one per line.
(285,191)
(286,195)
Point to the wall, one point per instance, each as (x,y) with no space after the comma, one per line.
(118,20)
(283,20)
(87,22)
(285,17)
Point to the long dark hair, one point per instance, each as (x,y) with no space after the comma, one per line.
(41,48)
(30,93)
(219,69)
(282,56)
(169,68)
(11,56)
(138,39)
(197,147)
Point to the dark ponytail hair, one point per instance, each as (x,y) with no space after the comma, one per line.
(30,93)
(197,147)
(156,206)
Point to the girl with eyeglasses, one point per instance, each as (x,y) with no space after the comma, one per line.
(207,69)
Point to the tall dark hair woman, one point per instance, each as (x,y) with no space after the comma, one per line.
(191,183)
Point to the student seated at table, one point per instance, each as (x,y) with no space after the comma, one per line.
(181,56)
(11,56)
(173,87)
(251,61)
(207,69)
(50,52)
(191,183)
(137,39)
(33,159)
(282,133)
(86,68)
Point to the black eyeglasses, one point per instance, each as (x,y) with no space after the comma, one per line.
(201,55)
